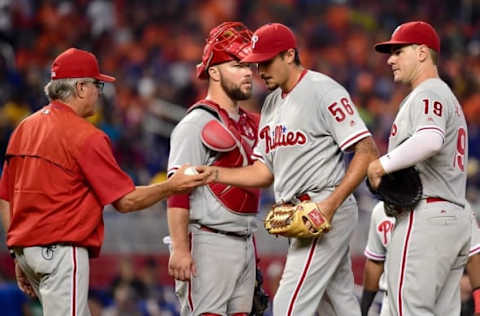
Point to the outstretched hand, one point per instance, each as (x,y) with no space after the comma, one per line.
(212,173)
(184,183)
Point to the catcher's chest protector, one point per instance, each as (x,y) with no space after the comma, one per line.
(235,199)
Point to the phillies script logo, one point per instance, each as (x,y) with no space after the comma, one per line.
(280,137)
(385,227)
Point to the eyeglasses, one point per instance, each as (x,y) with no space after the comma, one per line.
(99,84)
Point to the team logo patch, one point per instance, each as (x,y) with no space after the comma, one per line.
(385,228)
(48,252)
(254,40)
(248,131)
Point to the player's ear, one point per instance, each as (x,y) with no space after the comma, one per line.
(289,56)
(423,52)
(214,73)
(80,89)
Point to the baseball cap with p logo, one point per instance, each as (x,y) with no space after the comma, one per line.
(268,41)
(77,63)
(416,32)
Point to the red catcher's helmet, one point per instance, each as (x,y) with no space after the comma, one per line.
(228,41)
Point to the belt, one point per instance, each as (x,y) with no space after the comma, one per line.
(435,199)
(303,197)
(216,231)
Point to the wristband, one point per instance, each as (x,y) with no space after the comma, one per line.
(476,300)
(366,301)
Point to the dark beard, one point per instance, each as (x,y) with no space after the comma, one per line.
(234,92)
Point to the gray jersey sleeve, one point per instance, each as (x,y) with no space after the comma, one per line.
(379,234)
(259,149)
(428,113)
(185,143)
(341,116)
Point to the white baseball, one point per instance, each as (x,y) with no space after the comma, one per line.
(190,171)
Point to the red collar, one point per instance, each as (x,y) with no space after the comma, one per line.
(62,106)
(304,72)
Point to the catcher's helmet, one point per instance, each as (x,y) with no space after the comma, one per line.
(228,41)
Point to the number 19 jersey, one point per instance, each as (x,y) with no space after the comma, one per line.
(432,106)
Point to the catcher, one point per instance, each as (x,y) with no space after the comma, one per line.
(212,257)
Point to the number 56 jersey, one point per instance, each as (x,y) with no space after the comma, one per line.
(432,106)
(303,133)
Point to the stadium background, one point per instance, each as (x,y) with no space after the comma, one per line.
(152,48)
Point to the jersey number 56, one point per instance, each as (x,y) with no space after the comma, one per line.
(338,112)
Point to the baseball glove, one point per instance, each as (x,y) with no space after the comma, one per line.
(260,298)
(400,190)
(303,220)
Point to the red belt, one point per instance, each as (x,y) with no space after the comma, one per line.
(304,197)
(216,231)
(435,199)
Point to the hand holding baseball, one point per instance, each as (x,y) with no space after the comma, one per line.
(186,178)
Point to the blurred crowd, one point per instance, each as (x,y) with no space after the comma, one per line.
(152,47)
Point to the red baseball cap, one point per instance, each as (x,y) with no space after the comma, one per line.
(416,32)
(77,63)
(270,40)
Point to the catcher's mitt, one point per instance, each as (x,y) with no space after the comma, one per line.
(260,298)
(399,190)
(303,220)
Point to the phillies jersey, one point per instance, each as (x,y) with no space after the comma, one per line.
(186,146)
(302,135)
(432,106)
(379,235)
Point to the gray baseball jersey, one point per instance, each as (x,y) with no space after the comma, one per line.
(187,147)
(430,244)
(302,135)
(379,235)
(301,139)
(432,106)
(225,279)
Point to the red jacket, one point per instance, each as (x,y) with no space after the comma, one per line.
(58,175)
